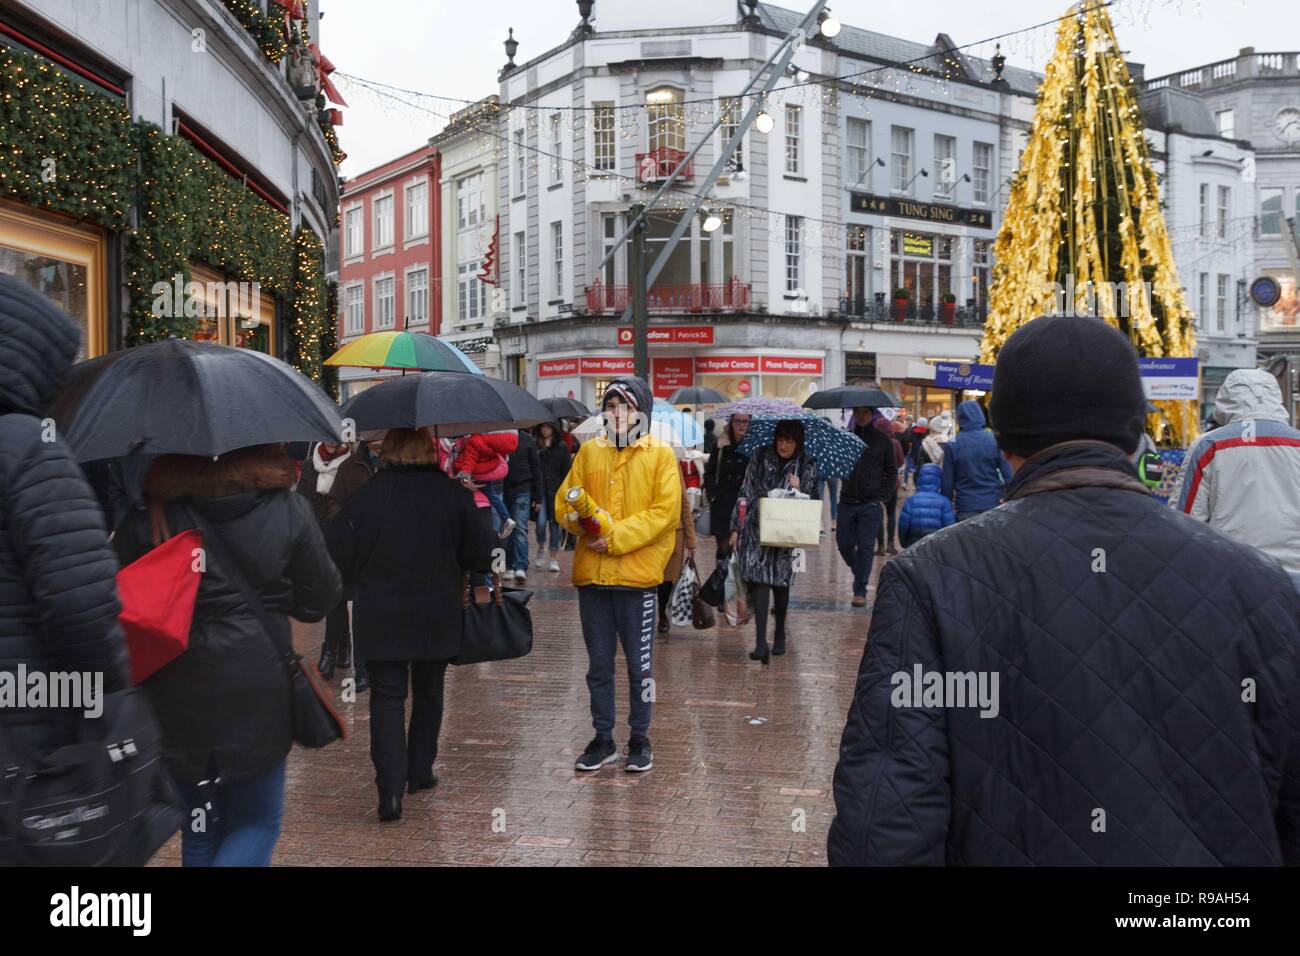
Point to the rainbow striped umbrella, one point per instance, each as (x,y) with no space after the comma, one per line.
(403,350)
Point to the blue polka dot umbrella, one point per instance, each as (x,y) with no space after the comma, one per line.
(837,451)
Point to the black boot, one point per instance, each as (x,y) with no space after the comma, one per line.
(390,808)
(778,642)
(422,783)
(345,652)
(327,662)
(363,679)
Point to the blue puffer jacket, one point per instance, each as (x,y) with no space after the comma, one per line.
(974,471)
(926,510)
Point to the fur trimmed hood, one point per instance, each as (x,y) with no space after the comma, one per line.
(260,468)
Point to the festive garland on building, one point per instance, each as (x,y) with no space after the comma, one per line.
(266,30)
(329,341)
(189,209)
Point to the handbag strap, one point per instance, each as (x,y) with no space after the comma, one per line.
(213,541)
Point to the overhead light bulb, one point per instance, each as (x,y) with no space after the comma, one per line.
(830,27)
(763,122)
(712,221)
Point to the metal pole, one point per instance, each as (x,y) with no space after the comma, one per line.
(801,32)
(639,305)
(786,53)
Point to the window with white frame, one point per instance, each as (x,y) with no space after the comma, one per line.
(982,174)
(521,163)
(1205,209)
(354,242)
(793,253)
(605,149)
(557,252)
(793,126)
(857,151)
(609,230)
(557,149)
(1225,207)
(900,146)
(666,119)
(1224,123)
(471,293)
(945,167)
(1203,298)
(731,113)
(1221,302)
(417,210)
(355,309)
(384,314)
(1270,212)
(471,209)
(384,221)
(521,269)
(417,297)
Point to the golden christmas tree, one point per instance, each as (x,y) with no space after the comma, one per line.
(1083,232)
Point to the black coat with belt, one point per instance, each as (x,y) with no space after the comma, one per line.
(723,476)
(404,540)
(1148,698)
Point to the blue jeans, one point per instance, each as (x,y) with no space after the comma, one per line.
(833,493)
(548,527)
(520,504)
(497,503)
(240,820)
(855,536)
(613,616)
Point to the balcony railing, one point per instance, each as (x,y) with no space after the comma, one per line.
(730,296)
(912,313)
(658,164)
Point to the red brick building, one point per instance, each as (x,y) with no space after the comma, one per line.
(390,251)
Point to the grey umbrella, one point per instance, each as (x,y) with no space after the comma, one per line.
(188,398)
(851,396)
(451,403)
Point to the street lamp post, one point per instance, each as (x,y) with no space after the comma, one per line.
(640,306)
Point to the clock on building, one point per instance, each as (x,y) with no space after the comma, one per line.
(1287,125)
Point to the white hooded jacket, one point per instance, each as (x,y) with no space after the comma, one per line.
(1244,478)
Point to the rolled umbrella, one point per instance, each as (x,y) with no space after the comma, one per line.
(562,407)
(851,396)
(697,395)
(189,398)
(837,451)
(404,351)
(450,403)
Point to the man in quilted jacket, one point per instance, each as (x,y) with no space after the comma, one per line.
(1080,676)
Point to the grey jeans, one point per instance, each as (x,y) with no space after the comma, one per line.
(613,616)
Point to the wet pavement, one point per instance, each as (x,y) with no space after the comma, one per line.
(743,754)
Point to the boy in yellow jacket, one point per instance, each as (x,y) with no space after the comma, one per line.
(633,476)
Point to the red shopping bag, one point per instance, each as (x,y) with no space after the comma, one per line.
(157,592)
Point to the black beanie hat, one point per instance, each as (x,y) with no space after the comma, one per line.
(1064,378)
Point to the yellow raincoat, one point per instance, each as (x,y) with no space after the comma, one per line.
(641,488)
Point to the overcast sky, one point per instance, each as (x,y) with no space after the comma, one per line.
(453,47)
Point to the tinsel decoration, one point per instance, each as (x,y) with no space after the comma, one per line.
(1085,209)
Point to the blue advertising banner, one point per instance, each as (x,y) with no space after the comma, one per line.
(1170,378)
(963,375)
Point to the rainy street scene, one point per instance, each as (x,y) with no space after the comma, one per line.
(816,435)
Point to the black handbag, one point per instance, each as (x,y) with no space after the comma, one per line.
(105,800)
(714,589)
(494,626)
(315,721)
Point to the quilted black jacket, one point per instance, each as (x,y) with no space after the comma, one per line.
(58,600)
(1148,707)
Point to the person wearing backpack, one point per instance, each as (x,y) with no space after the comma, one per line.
(57,591)
(224,704)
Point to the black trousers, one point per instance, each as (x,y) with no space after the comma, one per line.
(338,629)
(665,591)
(402,755)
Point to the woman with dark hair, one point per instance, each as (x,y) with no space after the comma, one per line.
(555,460)
(404,541)
(723,477)
(769,571)
(224,704)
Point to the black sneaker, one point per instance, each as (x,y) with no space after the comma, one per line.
(599,752)
(639,756)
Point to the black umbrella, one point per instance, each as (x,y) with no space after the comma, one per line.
(188,398)
(562,407)
(697,395)
(451,403)
(851,396)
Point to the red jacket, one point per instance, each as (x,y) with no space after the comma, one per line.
(481,453)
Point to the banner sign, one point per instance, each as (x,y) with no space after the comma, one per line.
(670,335)
(608,365)
(1170,379)
(928,211)
(791,365)
(670,374)
(961,375)
(726,364)
(557,368)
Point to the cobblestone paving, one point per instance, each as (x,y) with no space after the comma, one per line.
(743,754)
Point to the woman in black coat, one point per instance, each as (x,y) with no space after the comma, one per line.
(404,541)
(224,703)
(723,476)
(555,460)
